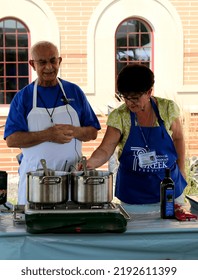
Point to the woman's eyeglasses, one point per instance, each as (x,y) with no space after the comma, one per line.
(131,99)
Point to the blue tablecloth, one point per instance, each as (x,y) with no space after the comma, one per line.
(148,237)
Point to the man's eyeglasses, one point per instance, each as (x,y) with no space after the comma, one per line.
(53,60)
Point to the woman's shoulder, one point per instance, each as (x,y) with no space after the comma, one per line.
(121,109)
(119,112)
(119,116)
(166,105)
(164,101)
(168,109)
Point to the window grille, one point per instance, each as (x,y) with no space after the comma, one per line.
(14,67)
(133,43)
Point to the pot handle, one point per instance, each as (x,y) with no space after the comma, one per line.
(95,180)
(50,180)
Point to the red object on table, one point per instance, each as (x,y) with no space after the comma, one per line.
(181,214)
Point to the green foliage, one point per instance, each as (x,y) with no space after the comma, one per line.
(191,176)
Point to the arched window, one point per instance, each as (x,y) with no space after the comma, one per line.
(14,67)
(134,42)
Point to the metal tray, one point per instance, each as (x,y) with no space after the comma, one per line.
(193,199)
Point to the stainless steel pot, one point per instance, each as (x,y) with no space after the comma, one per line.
(47,189)
(96,187)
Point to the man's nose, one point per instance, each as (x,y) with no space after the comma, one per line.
(48,65)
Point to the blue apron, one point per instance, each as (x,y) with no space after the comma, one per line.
(140,185)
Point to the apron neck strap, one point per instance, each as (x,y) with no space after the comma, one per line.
(155,108)
(35,92)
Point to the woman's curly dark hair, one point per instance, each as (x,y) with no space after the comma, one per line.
(135,78)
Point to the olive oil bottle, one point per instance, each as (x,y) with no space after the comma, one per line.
(167,196)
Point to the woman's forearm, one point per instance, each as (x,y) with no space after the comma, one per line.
(180,149)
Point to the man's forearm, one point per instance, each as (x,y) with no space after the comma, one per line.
(58,134)
(85,133)
(21,139)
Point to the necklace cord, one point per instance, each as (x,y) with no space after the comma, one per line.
(50,115)
(145,138)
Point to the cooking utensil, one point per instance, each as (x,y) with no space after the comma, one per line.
(47,189)
(94,188)
(84,165)
(43,163)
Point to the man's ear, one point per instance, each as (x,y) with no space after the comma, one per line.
(31,62)
(60,60)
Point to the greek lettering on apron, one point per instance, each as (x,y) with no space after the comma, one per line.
(143,161)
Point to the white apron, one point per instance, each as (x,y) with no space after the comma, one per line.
(57,156)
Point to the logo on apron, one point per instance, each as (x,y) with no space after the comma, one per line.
(147,161)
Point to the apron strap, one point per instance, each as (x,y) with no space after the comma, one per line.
(35,92)
(156,110)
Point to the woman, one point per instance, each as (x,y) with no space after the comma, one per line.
(148,133)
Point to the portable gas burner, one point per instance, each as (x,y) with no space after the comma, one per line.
(76,218)
(61,202)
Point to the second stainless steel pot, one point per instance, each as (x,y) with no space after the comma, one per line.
(47,189)
(94,188)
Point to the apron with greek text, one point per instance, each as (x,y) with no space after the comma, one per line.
(57,156)
(136,184)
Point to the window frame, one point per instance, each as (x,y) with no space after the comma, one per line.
(131,47)
(17,64)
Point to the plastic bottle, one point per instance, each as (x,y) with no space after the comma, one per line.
(167,196)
